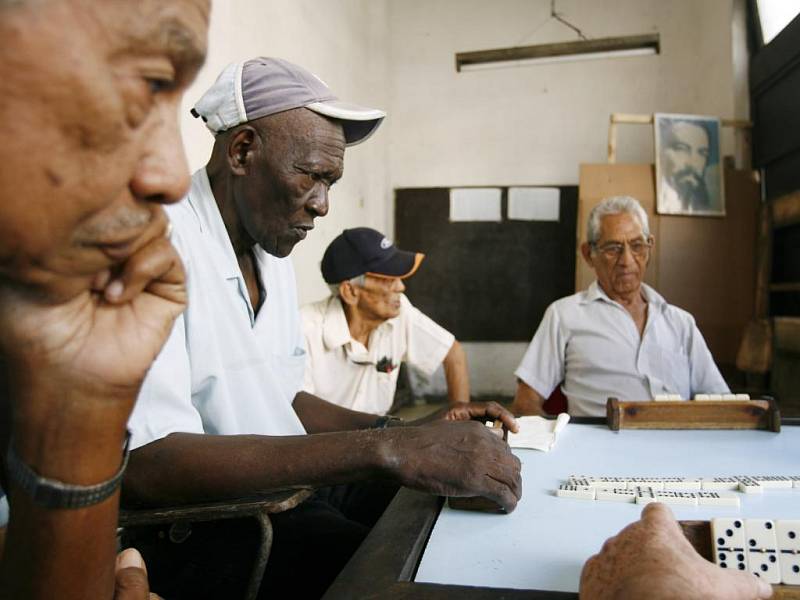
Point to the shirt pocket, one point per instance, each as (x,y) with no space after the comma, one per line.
(676,371)
(288,372)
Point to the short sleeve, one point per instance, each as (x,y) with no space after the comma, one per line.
(164,404)
(542,366)
(427,342)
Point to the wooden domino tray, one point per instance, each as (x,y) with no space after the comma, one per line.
(691,414)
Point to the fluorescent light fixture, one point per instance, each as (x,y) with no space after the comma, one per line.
(635,45)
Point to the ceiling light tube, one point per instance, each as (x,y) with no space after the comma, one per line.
(635,45)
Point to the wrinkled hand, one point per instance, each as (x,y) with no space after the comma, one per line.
(458,459)
(478,411)
(102,331)
(131,577)
(653,559)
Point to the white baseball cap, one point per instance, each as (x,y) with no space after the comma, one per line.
(264,86)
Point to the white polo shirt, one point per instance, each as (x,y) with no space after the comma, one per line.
(591,343)
(341,370)
(223,370)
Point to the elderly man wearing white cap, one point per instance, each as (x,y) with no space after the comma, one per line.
(357,337)
(221,413)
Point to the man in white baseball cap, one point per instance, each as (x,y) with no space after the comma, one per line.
(222,413)
(260,87)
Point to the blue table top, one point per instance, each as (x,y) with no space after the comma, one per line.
(545,541)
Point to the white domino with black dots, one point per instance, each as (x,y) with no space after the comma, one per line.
(766,548)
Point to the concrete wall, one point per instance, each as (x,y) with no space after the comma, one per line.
(344,43)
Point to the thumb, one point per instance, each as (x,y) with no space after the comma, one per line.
(131,577)
(745,586)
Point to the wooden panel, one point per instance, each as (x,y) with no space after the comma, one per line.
(703,265)
(707,265)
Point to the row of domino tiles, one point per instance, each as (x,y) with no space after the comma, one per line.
(703,397)
(749,484)
(691,491)
(766,548)
(645,495)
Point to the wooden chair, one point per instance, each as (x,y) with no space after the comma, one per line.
(180,519)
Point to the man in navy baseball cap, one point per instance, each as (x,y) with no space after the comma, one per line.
(358,336)
(363,250)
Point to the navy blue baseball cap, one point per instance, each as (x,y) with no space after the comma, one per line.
(362,250)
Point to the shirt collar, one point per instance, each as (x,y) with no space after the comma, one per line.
(595,292)
(201,199)
(335,331)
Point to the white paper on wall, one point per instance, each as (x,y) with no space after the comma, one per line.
(534,203)
(475,204)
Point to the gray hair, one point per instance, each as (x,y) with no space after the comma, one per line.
(360,281)
(613,206)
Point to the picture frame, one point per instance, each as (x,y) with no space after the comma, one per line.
(689,173)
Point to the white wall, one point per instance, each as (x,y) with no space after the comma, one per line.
(344,43)
(535,124)
(525,125)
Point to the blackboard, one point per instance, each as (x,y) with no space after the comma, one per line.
(486,281)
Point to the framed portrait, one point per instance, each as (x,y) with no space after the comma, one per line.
(689,177)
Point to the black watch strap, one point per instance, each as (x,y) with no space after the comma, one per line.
(387,421)
(52,493)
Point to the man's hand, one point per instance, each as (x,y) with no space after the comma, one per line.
(74,361)
(653,559)
(469,411)
(457,459)
(131,577)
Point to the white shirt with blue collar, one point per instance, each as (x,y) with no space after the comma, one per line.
(223,370)
(591,344)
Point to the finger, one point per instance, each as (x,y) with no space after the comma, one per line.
(131,577)
(744,586)
(155,267)
(501,494)
(658,514)
(130,559)
(497,411)
(507,473)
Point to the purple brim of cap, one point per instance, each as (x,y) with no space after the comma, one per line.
(402,264)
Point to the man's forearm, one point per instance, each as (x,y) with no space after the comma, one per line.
(321,416)
(527,401)
(187,468)
(456,374)
(48,551)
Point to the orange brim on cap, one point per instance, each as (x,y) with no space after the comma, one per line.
(417,262)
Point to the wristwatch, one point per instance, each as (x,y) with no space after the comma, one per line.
(387,421)
(52,493)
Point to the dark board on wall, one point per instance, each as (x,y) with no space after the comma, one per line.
(486,281)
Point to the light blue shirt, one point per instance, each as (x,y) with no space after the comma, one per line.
(3,509)
(223,370)
(591,344)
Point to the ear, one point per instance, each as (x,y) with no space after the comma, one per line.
(241,150)
(348,293)
(586,252)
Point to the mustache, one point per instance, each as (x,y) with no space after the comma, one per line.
(688,172)
(125,219)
